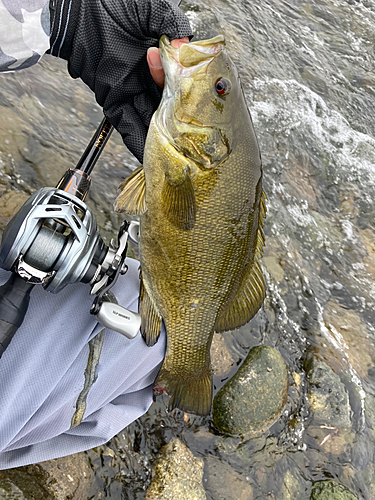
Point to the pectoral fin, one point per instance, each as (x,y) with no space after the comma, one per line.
(150,319)
(178,198)
(131,200)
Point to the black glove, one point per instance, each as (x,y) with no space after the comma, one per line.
(105,43)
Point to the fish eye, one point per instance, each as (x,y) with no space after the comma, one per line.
(222,86)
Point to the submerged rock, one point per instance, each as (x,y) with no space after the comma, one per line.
(224,483)
(328,396)
(272,263)
(329,490)
(252,400)
(177,474)
(291,487)
(332,423)
(347,326)
(221,359)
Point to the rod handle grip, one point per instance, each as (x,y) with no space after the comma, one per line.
(7,332)
(14,301)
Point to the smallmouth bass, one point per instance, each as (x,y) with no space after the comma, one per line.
(201,206)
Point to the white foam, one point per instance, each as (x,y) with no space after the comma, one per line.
(292,108)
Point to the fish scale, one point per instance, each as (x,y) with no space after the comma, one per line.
(199,197)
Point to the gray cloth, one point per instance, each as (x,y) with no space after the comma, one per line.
(42,374)
(24,32)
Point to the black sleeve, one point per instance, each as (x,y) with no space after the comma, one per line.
(105,43)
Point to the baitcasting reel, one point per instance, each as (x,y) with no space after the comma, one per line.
(53,241)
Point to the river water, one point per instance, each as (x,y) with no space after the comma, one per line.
(308,74)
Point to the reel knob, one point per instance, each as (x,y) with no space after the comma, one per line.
(118,318)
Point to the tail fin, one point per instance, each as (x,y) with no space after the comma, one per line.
(189,392)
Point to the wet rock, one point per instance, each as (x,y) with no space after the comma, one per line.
(273,266)
(10,492)
(365,81)
(370,412)
(10,203)
(351,334)
(224,483)
(328,396)
(221,359)
(301,167)
(177,475)
(368,241)
(252,400)
(330,439)
(315,80)
(325,228)
(367,478)
(60,479)
(23,483)
(70,477)
(329,490)
(290,487)
(349,197)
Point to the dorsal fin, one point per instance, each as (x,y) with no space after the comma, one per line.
(252,289)
(131,200)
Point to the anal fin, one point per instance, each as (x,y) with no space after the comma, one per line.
(131,200)
(150,319)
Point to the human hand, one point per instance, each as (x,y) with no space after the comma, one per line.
(154,61)
(105,43)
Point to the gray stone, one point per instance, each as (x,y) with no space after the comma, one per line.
(315,80)
(328,396)
(329,490)
(252,400)
(177,475)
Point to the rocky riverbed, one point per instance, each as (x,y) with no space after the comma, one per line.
(308,73)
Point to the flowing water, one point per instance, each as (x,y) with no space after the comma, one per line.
(308,74)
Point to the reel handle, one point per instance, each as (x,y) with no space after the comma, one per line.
(118,318)
(14,301)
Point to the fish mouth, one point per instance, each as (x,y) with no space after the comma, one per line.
(191,54)
(186,61)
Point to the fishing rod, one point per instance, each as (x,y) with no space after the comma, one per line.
(53,241)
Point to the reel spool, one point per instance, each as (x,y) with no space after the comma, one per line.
(54,241)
